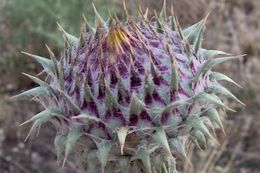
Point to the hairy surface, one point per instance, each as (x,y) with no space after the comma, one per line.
(129,95)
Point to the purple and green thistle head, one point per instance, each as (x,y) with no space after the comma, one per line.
(129,95)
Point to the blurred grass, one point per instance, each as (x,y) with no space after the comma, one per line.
(35,21)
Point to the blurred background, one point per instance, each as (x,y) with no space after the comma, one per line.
(25,25)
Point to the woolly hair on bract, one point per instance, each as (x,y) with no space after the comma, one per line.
(129,95)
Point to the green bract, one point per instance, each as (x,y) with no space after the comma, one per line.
(129,95)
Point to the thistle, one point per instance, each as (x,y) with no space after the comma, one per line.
(128,96)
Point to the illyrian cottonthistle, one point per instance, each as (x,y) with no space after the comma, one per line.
(129,96)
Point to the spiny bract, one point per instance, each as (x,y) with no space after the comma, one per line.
(129,95)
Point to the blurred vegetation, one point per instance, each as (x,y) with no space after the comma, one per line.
(27,25)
